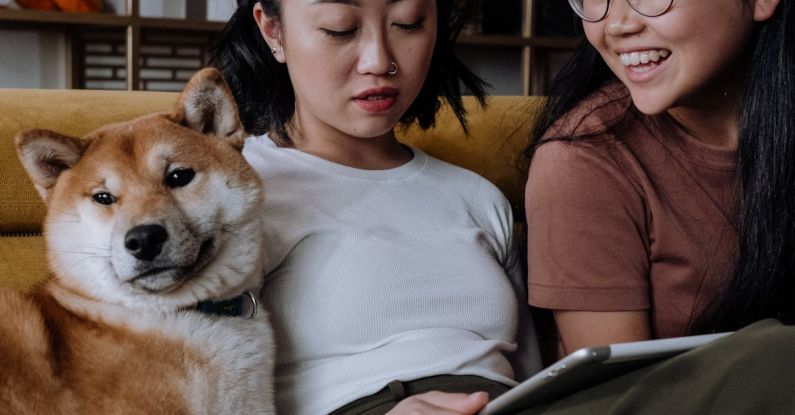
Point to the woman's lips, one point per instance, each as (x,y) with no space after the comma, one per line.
(643,65)
(377,100)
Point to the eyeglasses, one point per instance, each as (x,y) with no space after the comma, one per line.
(595,10)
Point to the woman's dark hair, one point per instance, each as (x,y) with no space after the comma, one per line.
(264,93)
(763,282)
(583,74)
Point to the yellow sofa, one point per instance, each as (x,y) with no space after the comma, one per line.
(494,148)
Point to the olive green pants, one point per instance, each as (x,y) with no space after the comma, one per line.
(749,372)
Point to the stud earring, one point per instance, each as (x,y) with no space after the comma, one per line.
(274,51)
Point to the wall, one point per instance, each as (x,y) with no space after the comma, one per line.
(32,59)
(38,59)
(215,10)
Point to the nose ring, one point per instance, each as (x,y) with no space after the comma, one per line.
(393,69)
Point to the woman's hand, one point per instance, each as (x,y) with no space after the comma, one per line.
(441,403)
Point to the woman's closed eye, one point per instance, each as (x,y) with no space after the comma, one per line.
(338,34)
(411,27)
(346,33)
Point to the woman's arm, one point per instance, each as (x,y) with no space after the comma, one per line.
(578,329)
(588,245)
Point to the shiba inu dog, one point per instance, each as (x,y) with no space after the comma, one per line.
(145,220)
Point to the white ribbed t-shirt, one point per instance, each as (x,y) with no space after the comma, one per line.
(381,275)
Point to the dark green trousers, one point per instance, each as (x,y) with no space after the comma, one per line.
(749,372)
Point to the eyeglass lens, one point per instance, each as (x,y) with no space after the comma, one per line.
(595,10)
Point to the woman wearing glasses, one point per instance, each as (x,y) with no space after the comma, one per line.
(661,201)
(644,218)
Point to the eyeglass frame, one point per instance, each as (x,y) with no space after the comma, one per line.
(607,10)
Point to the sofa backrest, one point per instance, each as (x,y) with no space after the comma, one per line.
(71,112)
(494,147)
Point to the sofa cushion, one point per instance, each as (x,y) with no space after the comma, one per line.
(23,261)
(71,112)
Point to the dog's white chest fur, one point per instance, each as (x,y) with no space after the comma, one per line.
(239,352)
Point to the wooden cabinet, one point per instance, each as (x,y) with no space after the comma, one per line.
(518,43)
(109,51)
(540,41)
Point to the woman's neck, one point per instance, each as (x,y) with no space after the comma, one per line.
(713,116)
(717,130)
(368,153)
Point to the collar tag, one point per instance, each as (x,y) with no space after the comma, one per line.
(244,305)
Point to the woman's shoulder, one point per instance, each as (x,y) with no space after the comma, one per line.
(593,146)
(463,178)
(258,145)
(597,115)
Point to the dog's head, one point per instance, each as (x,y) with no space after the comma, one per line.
(159,212)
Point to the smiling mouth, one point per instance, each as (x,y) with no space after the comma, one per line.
(644,60)
(167,279)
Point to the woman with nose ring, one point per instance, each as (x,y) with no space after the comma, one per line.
(378,254)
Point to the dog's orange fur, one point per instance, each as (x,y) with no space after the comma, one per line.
(48,360)
(66,349)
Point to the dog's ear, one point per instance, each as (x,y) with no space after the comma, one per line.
(46,154)
(208,106)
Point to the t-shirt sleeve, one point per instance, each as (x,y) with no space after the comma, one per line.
(587,233)
(508,250)
(526,359)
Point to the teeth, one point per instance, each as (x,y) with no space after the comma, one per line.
(643,57)
(654,55)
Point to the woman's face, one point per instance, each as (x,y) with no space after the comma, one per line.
(340,53)
(687,57)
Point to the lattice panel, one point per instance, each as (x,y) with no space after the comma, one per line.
(168,59)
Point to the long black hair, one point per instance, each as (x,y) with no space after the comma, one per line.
(763,282)
(265,95)
(583,74)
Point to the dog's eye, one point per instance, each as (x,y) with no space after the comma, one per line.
(104,198)
(179,177)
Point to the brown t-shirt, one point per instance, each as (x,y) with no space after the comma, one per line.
(640,217)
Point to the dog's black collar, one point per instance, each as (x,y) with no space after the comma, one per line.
(244,305)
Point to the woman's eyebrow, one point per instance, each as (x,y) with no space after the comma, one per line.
(356,3)
(348,2)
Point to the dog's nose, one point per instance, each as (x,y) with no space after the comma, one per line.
(145,242)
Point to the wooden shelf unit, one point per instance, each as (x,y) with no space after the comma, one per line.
(532,46)
(527,44)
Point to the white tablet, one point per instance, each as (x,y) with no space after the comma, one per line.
(588,367)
